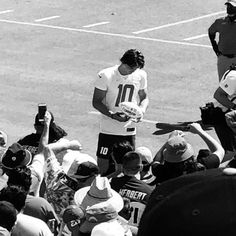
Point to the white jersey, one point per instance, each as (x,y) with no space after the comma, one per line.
(119,89)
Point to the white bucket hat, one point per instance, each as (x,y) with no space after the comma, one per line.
(99,192)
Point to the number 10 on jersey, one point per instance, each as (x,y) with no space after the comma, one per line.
(123,91)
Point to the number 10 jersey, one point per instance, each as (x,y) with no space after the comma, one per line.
(119,88)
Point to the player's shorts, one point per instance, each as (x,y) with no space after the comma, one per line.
(106,142)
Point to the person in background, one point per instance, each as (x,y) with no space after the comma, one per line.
(61,187)
(118,151)
(100,204)
(126,82)
(25,225)
(8,215)
(17,156)
(176,157)
(225,95)
(225,47)
(31,141)
(131,187)
(147,160)
(34,206)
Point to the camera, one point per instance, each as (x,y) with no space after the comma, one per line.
(42,108)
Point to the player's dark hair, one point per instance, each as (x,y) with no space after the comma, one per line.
(133,58)
(120,149)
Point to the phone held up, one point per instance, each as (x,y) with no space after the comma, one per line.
(42,108)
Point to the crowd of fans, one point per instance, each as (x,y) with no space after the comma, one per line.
(49,186)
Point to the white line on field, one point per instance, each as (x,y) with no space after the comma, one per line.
(178,23)
(46,18)
(195,37)
(7,11)
(96,24)
(104,33)
(143,120)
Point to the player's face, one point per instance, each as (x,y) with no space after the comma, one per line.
(130,69)
(231,10)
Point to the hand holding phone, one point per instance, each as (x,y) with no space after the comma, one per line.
(42,108)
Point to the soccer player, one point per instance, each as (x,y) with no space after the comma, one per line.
(126,82)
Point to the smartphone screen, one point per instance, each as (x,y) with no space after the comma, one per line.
(42,107)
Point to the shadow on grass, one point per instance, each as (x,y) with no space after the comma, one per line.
(164,128)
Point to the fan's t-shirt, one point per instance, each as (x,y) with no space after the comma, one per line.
(137,191)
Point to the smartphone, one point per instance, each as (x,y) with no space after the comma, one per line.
(42,108)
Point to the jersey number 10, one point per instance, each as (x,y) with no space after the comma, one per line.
(127,89)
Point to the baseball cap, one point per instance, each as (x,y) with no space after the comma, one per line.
(146,154)
(202,203)
(177,150)
(16,156)
(7,215)
(72,216)
(232,2)
(83,170)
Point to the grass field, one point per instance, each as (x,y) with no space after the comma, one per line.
(52,50)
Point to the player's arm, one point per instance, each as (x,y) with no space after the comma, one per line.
(222,97)
(98,104)
(212,37)
(144,100)
(98,96)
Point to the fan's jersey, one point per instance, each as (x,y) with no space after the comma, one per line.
(137,191)
(118,89)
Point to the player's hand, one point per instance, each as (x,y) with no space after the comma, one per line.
(137,120)
(120,117)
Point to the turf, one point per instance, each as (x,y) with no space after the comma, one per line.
(57,61)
